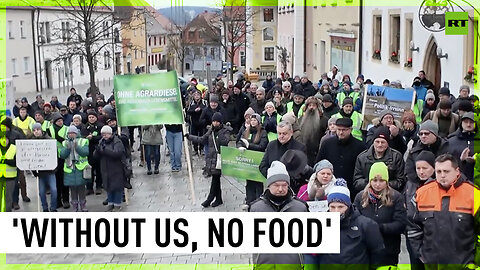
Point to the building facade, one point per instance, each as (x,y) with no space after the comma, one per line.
(397,46)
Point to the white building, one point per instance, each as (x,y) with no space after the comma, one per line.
(398,30)
(20,49)
(58,41)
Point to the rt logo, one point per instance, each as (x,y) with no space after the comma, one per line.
(457,23)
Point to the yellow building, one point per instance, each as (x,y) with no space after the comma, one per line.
(133,39)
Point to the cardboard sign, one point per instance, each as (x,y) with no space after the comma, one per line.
(36,155)
(318,206)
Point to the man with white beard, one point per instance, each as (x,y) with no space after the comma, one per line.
(312,127)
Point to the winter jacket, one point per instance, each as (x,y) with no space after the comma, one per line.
(195,115)
(391,221)
(231,113)
(449,223)
(445,125)
(221,137)
(242,102)
(75,178)
(112,156)
(410,190)
(392,158)
(258,106)
(398,143)
(77,98)
(265,204)
(457,142)
(95,131)
(361,243)
(259,146)
(307,89)
(457,103)
(437,148)
(427,108)
(275,151)
(267,85)
(313,185)
(342,154)
(328,112)
(152,135)
(207,113)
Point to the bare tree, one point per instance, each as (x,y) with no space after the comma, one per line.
(236,24)
(283,57)
(89,28)
(176,43)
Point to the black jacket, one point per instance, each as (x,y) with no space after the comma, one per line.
(260,146)
(221,137)
(457,142)
(275,151)
(391,221)
(242,102)
(398,142)
(328,112)
(112,156)
(438,148)
(342,155)
(361,243)
(207,113)
(392,158)
(307,89)
(258,106)
(195,115)
(231,112)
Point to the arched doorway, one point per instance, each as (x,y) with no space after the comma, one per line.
(432,65)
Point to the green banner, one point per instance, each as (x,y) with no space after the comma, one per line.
(242,165)
(148,99)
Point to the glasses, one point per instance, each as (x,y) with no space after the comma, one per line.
(424,133)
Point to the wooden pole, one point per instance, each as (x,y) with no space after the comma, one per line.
(189,164)
(38,194)
(125,190)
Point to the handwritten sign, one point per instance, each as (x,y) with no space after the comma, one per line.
(36,154)
(318,206)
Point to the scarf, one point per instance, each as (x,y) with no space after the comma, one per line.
(373,197)
(73,157)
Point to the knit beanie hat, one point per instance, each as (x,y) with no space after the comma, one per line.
(327,98)
(72,129)
(385,112)
(347,100)
(56,116)
(249,111)
(382,132)
(106,129)
(213,98)
(77,116)
(37,126)
(430,96)
(409,116)
(356,86)
(465,105)
(92,113)
(261,89)
(431,126)
(468,115)
(269,104)
(323,164)
(339,193)
(332,120)
(427,156)
(277,172)
(217,117)
(257,117)
(444,91)
(445,104)
(289,117)
(378,169)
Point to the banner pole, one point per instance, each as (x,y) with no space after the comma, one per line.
(125,190)
(189,164)
(38,193)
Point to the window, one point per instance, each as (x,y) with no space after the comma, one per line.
(205,51)
(408,38)
(106,33)
(197,51)
(117,35)
(242,59)
(212,52)
(377,33)
(41,37)
(268,15)
(106,59)
(136,54)
(26,64)
(79,31)
(394,35)
(10,29)
(134,31)
(268,34)
(187,66)
(67,29)
(47,31)
(82,70)
(155,41)
(201,34)
(191,34)
(141,54)
(149,41)
(315,56)
(471,51)
(22,33)
(187,51)
(269,53)
(14,66)
(64,32)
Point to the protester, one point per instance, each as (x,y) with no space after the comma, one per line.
(386,207)
(253,137)
(74,97)
(320,183)
(111,153)
(446,120)
(46,178)
(24,121)
(74,151)
(258,105)
(428,105)
(270,119)
(278,197)
(331,131)
(380,151)
(297,105)
(361,243)
(347,112)
(329,107)
(313,126)
(152,139)
(387,119)
(461,144)
(8,177)
(91,132)
(443,228)
(174,142)
(218,135)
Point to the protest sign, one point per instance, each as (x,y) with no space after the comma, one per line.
(148,99)
(242,165)
(36,154)
(318,206)
(377,98)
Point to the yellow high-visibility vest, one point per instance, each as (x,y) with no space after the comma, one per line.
(6,170)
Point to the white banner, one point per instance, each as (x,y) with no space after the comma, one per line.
(36,155)
(152,232)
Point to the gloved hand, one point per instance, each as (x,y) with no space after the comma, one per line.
(245,142)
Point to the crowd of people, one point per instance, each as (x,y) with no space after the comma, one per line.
(415,175)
